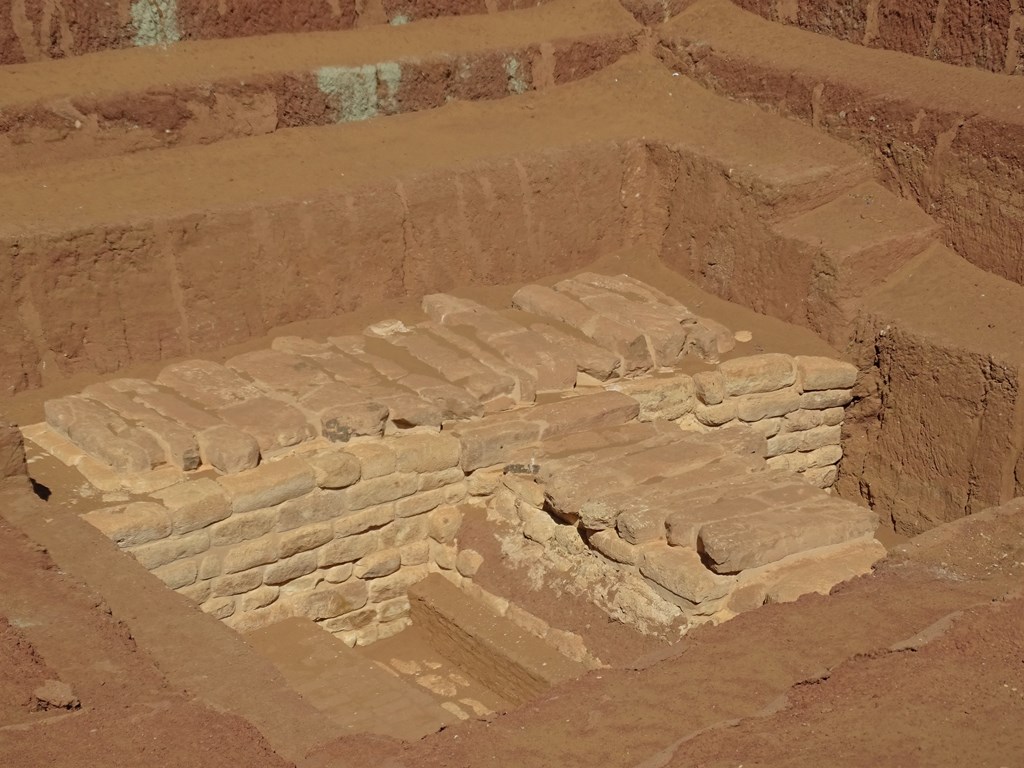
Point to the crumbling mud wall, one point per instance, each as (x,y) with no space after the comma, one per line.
(988,35)
(12,452)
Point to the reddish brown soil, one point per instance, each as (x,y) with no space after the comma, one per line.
(129,714)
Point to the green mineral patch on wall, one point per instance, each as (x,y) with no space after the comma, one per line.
(355,92)
(155,22)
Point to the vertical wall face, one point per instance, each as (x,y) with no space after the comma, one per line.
(12,452)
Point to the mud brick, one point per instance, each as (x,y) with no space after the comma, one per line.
(273,423)
(290,568)
(426,453)
(681,572)
(823,373)
(757,374)
(157,553)
(268,484)
(334,469)
(767,405)
(378,564)
(806,440)
(211,385)
(709,386)
(194,504)
(306,538)
(609,544)
(12,452)
(132,524)
(340,423)
(261,551)
(228,449)
(739,543)
(454,402)
(488,443)
(376,459)
(349,549)
(826,399)
(280,371)
(586,356)
(660,398)
(380,490)
(580,414)
(626,342)
(445,524)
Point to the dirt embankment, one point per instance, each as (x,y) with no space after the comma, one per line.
(984,35)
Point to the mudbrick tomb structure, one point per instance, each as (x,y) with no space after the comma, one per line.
(578,382)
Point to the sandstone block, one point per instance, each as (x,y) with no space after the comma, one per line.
(681,572)
(767,405)
(797,421)
(158,553)
(274,424)
(822,373)
(661,398)
(194,504)
(210,565)
(419,503)
(228,449)
(406,410)
(526,621)
(132,524)
(799,462)
(453,402)
(12,452)
(468,562)
(380,490)
(378,564)
(268,484)
(445,524)
(341,423)
(397,584)
(737,544)
(489,443)
(290,568)
(363,520)
(375,459)
(641,526)
(484,482)
(393,609)
(339,573)
(176,410)
(178,574)
(207,383)
(416,553)
(538,525)
(769,427)
(757,374)
(715,415)
(829,398)
(710,339)
(353,620)
(807,440)
(426,452)
(430,481)
(260,597)
(99,432)
(315,507)
(197,592)
(587,412)
(306,538)
(243,526)
(303,584)
(252,553)
(589,359)
(327,602)
(236,583)
(349,549)
(822,477)
(334,469)
(443,556)
(525,488)
(218,607)
(279,370)
(608,543)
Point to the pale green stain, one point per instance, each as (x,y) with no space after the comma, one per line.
(353,91)
(516,84)
(399,20)
(155,22)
